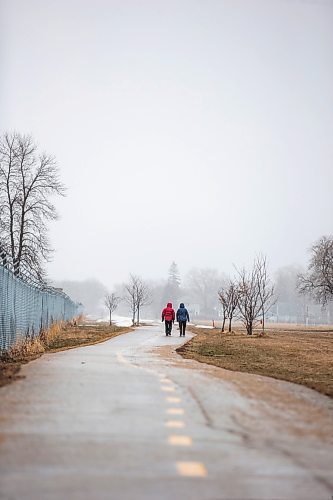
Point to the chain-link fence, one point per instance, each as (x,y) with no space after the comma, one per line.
(26,309)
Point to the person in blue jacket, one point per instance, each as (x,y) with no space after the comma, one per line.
(182,316)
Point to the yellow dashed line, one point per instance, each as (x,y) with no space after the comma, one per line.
(191,469)
(180,440)
(175,411)
(167,388)
(176,424)
(122,359)
(171,399)
(186,469)
(165,381)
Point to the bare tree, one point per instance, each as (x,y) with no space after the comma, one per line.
(138,295)
(131,295)
(228,296)
(143,297)
(9,192)
(27,181)
(224,303)
(266,288)
(232,294)
(318,281)
(111,301)
(255,294)
(249,304)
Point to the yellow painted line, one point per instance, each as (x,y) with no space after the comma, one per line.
(175,411)
(125,361)
(171,399)
(191,469)
(176,424)
(167,388)
(122,359)
(180,440)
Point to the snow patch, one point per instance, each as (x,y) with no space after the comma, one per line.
(205,326)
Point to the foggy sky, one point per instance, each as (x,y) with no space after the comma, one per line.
(191,131)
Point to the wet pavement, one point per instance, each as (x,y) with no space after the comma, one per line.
(130,419)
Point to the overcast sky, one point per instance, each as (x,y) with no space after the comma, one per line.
(193,131)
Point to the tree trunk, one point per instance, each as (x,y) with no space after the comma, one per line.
(223,323)
(249,328)
(230,321)
(110,318)
(22,228)
(138,316)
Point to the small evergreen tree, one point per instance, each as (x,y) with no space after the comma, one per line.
(172,288)
(174,278)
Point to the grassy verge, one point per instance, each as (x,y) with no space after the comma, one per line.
(303,357)
(58,338)
(78,336)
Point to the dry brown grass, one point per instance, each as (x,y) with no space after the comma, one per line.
(26,349)
(59,337)
(49,336)
(303,356)
(20,353)
(81,335)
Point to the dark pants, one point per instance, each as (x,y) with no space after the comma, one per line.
(182,327)
(168,327)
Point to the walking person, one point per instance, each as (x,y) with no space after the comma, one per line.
(182,317)
(168,316)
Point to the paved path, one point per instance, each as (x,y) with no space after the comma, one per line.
(130,419)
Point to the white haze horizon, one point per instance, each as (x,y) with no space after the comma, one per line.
(193,131)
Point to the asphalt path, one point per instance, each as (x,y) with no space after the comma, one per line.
(130,419)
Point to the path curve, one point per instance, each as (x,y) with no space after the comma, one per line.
(130,419)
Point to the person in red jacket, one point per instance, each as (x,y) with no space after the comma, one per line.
(168,316)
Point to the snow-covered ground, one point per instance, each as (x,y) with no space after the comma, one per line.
(207,327)
(127,321)
(124,320)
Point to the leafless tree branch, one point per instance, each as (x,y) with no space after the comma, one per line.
(255,294)
(228,297)
(111,301)
(27,181)
(318,281)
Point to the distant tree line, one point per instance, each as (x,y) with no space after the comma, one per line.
(251,296)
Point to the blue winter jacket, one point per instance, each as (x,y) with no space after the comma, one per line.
(182,313)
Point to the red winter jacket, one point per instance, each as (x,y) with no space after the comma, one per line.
(168,314)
